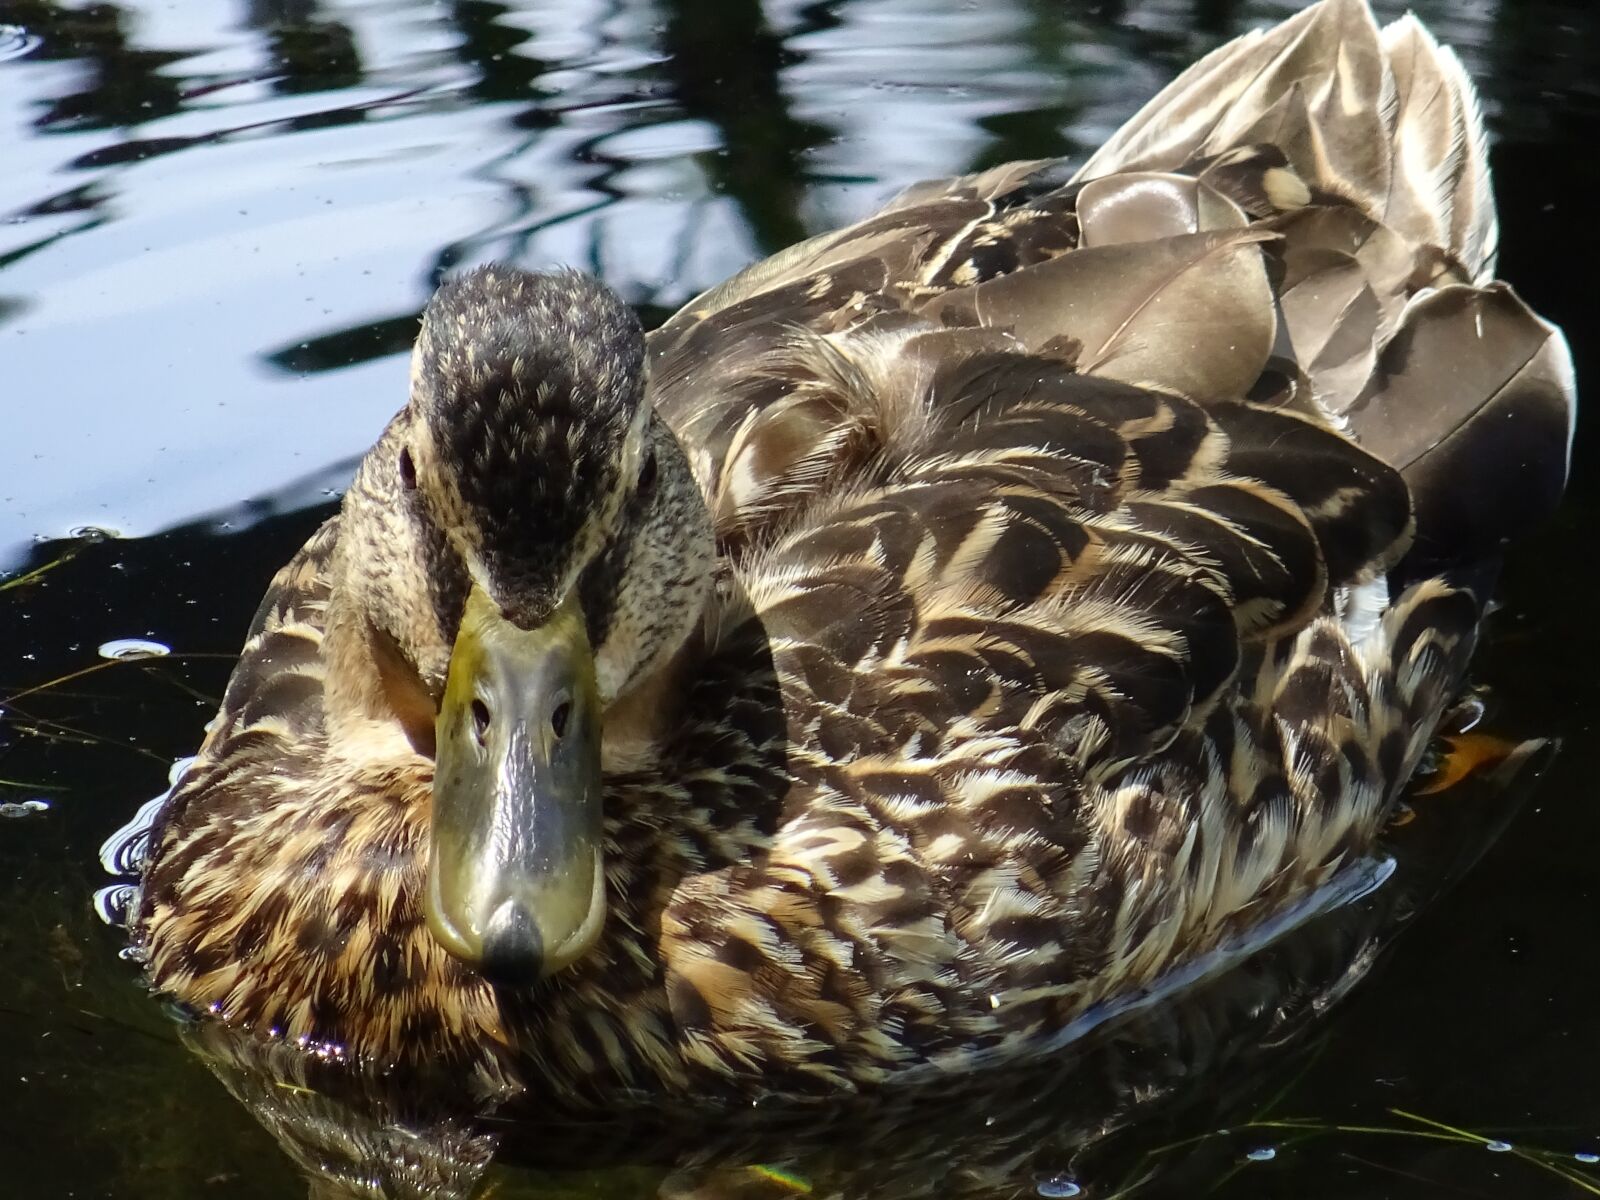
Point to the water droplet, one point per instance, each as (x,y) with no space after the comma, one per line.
(92,533)
(1497,1147)
(123,649)
(15,809)
(1585,1156)
(1057,1187)
(1262,1154)
(333,1052)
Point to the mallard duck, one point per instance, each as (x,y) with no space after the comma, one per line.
(952,628)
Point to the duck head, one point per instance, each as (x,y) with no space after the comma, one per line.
(529,543)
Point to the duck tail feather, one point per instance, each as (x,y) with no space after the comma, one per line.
(1387,303)
(1384,119)
(1439,192)
(1473,401)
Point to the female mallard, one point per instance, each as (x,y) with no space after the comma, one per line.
(979,616)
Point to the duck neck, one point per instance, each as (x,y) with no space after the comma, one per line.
(374,703)
(639,721)
(696,761)
(698,752)
(381,639)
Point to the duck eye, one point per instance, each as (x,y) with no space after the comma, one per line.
(647,474)
(408,471)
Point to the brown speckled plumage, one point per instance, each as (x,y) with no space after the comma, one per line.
(1095,560)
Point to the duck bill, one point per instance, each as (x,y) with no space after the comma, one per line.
(516,886)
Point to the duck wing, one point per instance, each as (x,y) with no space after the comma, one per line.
(1120,540)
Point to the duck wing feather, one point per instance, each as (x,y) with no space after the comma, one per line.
(1119,543)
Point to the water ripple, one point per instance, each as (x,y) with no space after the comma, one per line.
(15,41)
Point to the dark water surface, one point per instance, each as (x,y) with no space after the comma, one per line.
(217,226)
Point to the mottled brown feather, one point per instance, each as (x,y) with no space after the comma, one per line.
(1095,562)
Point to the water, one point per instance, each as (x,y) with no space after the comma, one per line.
(126,649)
(217,226)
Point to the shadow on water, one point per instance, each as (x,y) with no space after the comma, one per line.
(217,226)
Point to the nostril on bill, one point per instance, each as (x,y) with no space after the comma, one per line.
(513,951)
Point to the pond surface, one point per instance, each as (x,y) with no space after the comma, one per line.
(218,224)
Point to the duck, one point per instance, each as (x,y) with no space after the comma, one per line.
(960,626)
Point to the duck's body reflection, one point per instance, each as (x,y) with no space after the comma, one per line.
(1125,1106)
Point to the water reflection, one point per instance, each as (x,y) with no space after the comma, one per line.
(1201,1060)
(490,45)
(310,52)
(121,83)
(724,64)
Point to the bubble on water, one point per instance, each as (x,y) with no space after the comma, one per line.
(15,41)
(1586,1156)
(1262,1154)
(126,649)
(1057,1187)
(15,809)
(1497,1147)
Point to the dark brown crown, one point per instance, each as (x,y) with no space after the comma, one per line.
(528,384)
